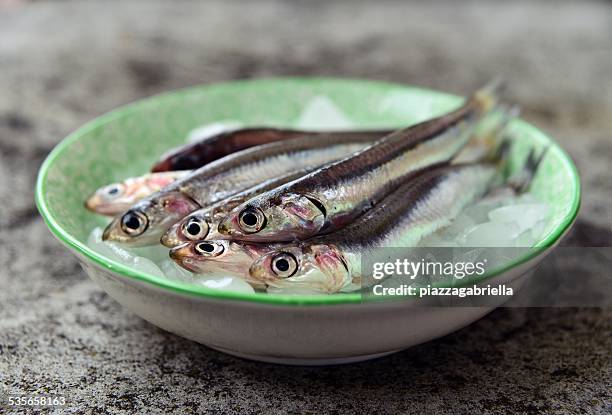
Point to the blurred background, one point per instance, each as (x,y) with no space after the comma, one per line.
(63,63)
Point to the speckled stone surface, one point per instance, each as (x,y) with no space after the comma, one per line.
(63,63)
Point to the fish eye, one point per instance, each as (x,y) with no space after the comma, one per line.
(251,220)
(209,248)
(134,223)
(114,190)
(195,229)
(284,265)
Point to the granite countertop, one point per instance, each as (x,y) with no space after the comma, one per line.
(65,62)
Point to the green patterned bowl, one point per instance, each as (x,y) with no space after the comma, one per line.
(285,328)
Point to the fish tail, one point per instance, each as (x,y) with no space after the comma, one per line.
(496,140)
(493,135)
(488,97)
(521,180)
(488,135)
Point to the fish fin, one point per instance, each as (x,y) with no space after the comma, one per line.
(521,180)
(502,151)
(500,141)
(488,97)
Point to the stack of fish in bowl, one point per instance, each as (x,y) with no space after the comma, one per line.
(293,211)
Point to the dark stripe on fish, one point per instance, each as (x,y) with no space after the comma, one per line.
(387,149)
(197,154)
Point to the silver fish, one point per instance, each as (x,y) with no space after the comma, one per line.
(331,197)
(415,210)
(220,256)
(332,263)
(147,220)
(202,223)
(197,154)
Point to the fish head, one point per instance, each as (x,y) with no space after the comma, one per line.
(317,267)
(111,199)
(193,227)
(146,221)
(198,256)
(218,256)
(284,217)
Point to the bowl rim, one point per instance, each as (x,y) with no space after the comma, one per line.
(182,288)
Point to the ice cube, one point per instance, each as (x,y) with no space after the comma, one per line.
(109,249)
(146,266)
(525,239)
(538,229)
(209,130)
(322,113)
(407,105)
(121,253)
(525,216)
(94,241)
(175,272)
(141,259)
(95,237)
(436,240)
(157,253)
(458,227)
(491,234)
(526,198)
(479,212)
(224,282)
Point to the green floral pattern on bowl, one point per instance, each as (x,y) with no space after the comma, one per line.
(128,140)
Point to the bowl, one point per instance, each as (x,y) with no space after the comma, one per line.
(292,329)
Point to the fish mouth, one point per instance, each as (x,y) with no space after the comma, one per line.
(178,253)
(113,233)
(171,239)
(258,272)
(181,255)
(109,233)
(95,204)
(92,203)
(173,256)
